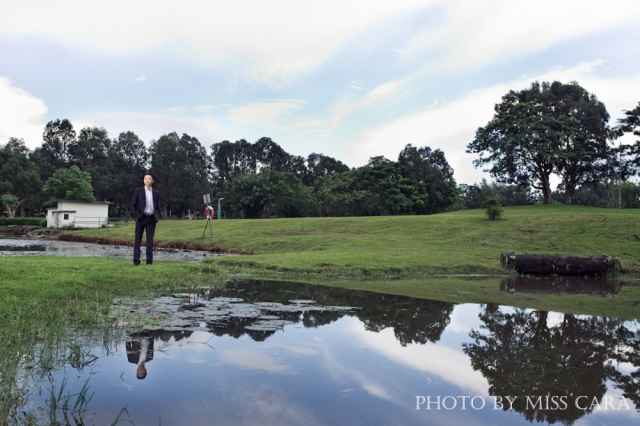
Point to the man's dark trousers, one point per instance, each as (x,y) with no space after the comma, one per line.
(145,223)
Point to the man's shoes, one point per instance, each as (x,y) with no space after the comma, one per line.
(149,263)
(136,264)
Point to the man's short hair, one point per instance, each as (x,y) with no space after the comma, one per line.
(148,174)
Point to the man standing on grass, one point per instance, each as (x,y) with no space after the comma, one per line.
(144,208)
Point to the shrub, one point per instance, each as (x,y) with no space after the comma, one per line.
(493,208)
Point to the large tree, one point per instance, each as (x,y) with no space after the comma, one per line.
(545,129)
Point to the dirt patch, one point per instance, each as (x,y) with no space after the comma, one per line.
(160,244)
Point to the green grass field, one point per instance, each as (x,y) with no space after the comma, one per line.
(462,242)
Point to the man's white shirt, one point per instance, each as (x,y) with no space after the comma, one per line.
(148,209)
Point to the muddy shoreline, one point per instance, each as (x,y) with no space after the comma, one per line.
(160,244)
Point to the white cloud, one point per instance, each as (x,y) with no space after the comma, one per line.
(479,32)
(345,107)
(21,115)
(263,112)
(274,40)
(307,124)
(141,78)
(151,126)
(451,126)
(205,108)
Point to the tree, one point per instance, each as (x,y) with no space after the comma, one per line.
(270,155)
(91,153)
(54,154)
(341,195)
(319,166)
(180,166)
(18,175)
(630,195)
(430,172)
(232,157)
(532,136)
(129,157)
(267,193)
(69,184)
(584,156)
(377,188)
(631,124)
(9,202)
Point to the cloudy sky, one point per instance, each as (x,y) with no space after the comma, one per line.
(349,79)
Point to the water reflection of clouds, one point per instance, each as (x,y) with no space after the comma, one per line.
(254,360)
(300,350)
(463,319)
(262,404)
(555,319)
(449,364)
(342,373)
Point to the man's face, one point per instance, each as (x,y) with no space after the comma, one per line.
(148,180)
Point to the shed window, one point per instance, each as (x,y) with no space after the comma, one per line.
(66,216)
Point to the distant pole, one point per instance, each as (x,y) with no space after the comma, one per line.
(219,199)
(620,174)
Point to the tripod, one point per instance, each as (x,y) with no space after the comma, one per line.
(209,215)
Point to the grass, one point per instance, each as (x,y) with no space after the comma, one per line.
(462,242)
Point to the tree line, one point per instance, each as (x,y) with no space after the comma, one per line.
(256,180)
(548,128)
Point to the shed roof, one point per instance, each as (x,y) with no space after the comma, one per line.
(85,202)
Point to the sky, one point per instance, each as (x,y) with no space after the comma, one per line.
(348,79)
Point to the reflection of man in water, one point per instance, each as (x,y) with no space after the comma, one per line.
(140,352)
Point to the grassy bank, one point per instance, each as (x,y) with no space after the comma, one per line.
(485,290)
(461,242)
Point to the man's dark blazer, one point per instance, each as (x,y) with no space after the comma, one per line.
(139,202)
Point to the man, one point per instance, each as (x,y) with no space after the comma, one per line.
(144,208)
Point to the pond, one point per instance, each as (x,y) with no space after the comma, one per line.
(28,246)
(267,352)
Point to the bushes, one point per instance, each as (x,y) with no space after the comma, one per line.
(493,208)
(34,221)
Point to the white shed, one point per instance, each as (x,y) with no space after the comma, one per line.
(79,214)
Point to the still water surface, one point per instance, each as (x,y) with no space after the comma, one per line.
(272,353)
